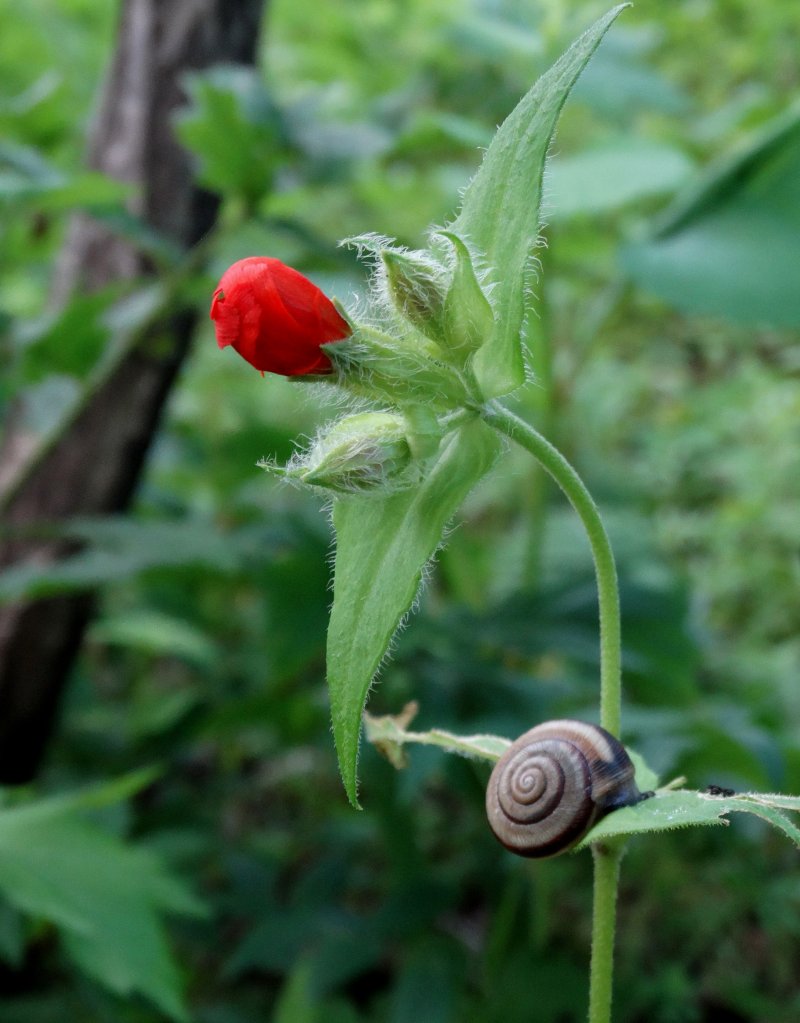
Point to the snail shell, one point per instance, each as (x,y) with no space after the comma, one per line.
(554,783)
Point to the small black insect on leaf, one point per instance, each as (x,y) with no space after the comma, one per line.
(718,790)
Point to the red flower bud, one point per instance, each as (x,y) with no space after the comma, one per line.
(275,317)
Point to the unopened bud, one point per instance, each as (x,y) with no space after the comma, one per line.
(366,451)
(275,318)
(417,288)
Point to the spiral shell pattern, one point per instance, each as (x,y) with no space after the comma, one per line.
(553,783)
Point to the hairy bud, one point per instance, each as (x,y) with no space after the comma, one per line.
(364,452)
(417,288)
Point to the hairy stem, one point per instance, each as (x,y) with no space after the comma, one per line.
(607,856)
(607,591)
(607,859)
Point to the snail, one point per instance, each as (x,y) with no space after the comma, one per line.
(554,783)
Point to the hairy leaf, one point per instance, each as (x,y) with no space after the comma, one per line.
(501,216)
(668,810)
(383,544)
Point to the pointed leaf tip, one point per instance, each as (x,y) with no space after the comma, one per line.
(501,216)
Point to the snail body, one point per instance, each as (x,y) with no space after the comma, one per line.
(554,783)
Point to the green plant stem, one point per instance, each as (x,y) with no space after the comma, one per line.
(558,467)
(607,856)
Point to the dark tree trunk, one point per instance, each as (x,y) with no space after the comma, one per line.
(96,463)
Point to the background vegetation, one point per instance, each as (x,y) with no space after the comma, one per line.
(196,730)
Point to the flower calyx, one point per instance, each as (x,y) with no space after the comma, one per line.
(402,371)
(367,452)
(438,292)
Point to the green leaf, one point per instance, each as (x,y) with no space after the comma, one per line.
(612,175)
(389,733)
(70,341)
(12,935)
(426,984)
(105,896)
(622,81)
(23,168)
(120,548)
(668,810)
(234,128)
(383,544)
(88,190)
(501,216)
(156,633)
(730,245)
(296,1002)
(494,39)
(163,250)
(776,799)
(99,796)
(431,132)
(25,177)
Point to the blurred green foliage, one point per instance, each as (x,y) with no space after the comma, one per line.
(672,383)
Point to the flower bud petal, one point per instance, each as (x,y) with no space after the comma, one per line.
(275,318)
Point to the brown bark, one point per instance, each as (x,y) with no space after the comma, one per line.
(96,463)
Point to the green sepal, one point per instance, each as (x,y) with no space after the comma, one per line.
(411,370)
(382,547)
(500,214)
(467,318)
(416,286)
